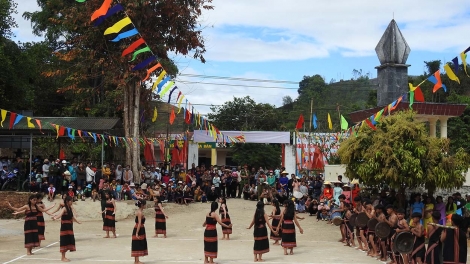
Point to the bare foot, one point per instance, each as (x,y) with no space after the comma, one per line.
(155,236)
(164,236)
(114,236)
(256,260)
(291,253)
(65,260)
(222,238)
(383,259)
(106,237)
(30,253)
(260,260)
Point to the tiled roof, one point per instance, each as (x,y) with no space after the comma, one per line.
(426,108)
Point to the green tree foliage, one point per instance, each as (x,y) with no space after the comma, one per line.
(7,22)
(400,153)
(244,114)
(258,155)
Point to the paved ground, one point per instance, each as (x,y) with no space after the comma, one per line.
(184,244)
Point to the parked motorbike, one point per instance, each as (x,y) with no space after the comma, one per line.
(11,182)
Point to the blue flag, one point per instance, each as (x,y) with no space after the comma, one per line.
(314,121)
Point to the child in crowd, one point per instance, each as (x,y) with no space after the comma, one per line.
(204,197)
(301,205)
(51,192)
(71,193)
(79,193)
(117,191)
(94,195)
(87,191)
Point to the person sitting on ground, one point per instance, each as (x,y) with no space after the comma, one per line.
(204,197)
(94,195)
(246,191)
(198,194)
(323,211)
(51,192)
(79,193)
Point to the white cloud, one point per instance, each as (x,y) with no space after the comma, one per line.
(351,27)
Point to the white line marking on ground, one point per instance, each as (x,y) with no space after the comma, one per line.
(20,257)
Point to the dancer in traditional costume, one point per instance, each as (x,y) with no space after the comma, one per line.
(31,232)
(275,216)
(455,244)
(437,236)
(67,238)
(139,240)
(419,250)
(109,223)
(288,219)
(210,234)
(225,217)
(260,220)
(160,218)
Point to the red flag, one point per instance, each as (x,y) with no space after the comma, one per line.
(172,116)
(300,122)
(12,119)
(419,97)
(370,124)
(187,117)
(61,131)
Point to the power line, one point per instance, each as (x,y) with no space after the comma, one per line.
(236,79)
(277,87)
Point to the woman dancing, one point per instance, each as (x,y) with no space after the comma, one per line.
(139,241)
(260,220)
(288,218)
(223,211)
(210,234)
(67,238)
(109,223)
(160,218)
(275,216)
(31,232)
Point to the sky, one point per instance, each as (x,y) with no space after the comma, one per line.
(278,40)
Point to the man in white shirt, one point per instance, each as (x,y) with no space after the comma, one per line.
(157,173)
(90,174)
(128,176)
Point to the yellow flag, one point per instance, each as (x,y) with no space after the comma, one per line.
(179,103)
(159,79)
(57,130)
(118,26)
(412,88)
(155,114)
(30,125)
(463,56)
(166,89)
(4,116)
(330,124)
(451,73)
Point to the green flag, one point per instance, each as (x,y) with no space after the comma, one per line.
(344,123)
(412,99)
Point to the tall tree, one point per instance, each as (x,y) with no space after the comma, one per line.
(400,153)
(167,26)
(7,21)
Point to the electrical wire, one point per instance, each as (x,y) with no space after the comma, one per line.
(235,78)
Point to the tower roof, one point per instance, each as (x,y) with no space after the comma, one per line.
(392,47)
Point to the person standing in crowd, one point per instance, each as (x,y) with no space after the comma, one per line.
(417,206)
(90,174)
(437,236)
(260,220)
(128,175)
(245,178)
(419,250)
(54,175)
(460,202)
(234,184)
(45,170)
(105,171)
(288,219)
(225,218)
(73,172)
(284,181)
(216,182)
(440,207)
(451,207)
(67,238)
(64,183)
(327,191)
(455,243)
(109,223)
(160,218)
(271,179)
(210,233)
(275,216)
(118,174)
(356,190)
(427,218)
(337,191)
(81,175)
(139,240)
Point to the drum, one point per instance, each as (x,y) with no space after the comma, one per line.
(403,243)
(362,219)
(372,223)
(336,218)
(382,230)
(352,220)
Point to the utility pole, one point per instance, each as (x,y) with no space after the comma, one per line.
(310,137)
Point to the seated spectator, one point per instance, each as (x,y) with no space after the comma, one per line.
(51,192)
(197,194)
(323,211)
(313,207)
(204,197)
(246,191)
(79,193)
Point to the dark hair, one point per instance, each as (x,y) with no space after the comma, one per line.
(69,210)
(458,221)
(276,204)
(380,207)
(449,205)
(290,210)
(214,206)
(259,213)
(389,207)
(436,215)
(347,205)
(401,211)
(39,195)
(357,198)
(224,201)
(31,197)
(140,203)
(342,196)
(416,214)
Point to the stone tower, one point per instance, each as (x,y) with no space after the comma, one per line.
(392,74)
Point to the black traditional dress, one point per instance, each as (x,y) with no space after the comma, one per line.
(455,247)
(419,250)
(434,251)
(288,233)
(261,237)
(226,220)
(67,238)
(41,225)
(275,222)
(160,221)
(109,223)
(31,235)
(210,238)
(139,245)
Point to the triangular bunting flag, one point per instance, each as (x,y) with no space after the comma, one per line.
(30,125)
(451,73)
(155,114)
(436,79)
